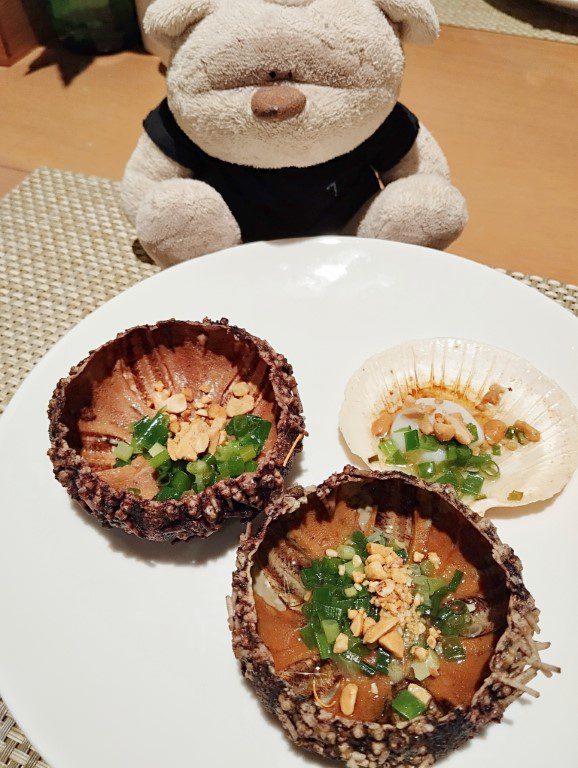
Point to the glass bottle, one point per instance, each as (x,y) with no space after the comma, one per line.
(95,26)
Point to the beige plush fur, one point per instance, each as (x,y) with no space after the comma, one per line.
(345,57)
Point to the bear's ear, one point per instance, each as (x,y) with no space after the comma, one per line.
(418,19)
(166,20)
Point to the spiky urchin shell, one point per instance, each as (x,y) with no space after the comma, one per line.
(365,744)
(197,515)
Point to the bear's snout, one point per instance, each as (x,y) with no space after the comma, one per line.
(278,102)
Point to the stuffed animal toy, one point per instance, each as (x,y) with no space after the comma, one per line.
(282,120)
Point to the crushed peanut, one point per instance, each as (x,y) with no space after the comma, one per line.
(331,553)
(348,698)
(341,643)
(420,693)
(190,441)
(529,432)
(238,406)
(419,653)
(494,431)
(382,424)
(393,642)
(240,388)
(176,403)
(494,394)
(418,557)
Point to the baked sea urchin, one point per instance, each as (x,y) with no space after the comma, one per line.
(381,620)
(170,429)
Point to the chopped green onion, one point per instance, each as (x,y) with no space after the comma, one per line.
(427,469)
(308,636)
(346,552)
(181,481)
(382,661)
(248,452)
(160,459)
(156,449)
(251,426)
(464,454)
(510,433)
(472,485)
(391,452)
(251,466)
(515,495)
(134,491)
(151,430)
(403,429)
(330,629)
(490,469)
(496,450)
(444,591)
(411,440)
(350,592)
(473,431)
(453,650)
(521,437)
(359,543)
(451,477)
(236,466)
(168,492)
(427,568)
(429,442)
(408,705)
(320,639)
(123,451)
(356,660)
(452,454)
(453,618)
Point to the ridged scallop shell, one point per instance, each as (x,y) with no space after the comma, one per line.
(467,368)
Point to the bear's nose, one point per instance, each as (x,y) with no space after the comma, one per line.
(278,102)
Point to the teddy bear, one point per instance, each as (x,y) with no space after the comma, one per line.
(282,120)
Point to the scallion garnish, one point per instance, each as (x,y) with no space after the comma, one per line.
(150,437)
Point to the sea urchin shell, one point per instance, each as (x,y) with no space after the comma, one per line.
(398,502)
(114,386)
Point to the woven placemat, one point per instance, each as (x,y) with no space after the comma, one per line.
(528,18)
(65,249)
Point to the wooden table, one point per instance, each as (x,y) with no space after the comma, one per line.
(505,110)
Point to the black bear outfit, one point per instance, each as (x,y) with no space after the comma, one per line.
(272,203)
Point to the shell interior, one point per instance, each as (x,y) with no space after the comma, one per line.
(117,386)
(463,371)
(418,519)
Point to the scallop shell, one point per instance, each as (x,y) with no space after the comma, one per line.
(397,499)
(467,368)
(114,386)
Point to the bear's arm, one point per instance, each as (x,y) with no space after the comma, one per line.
(418,204)
(146,166)
(425,156)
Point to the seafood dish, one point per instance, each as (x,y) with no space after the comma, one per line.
(170,429)
(381,620)
(462,413)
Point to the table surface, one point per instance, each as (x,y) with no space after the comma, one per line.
(504,109)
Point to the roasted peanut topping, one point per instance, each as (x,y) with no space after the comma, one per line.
(494,394)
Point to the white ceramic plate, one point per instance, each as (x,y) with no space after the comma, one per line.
(115,652)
